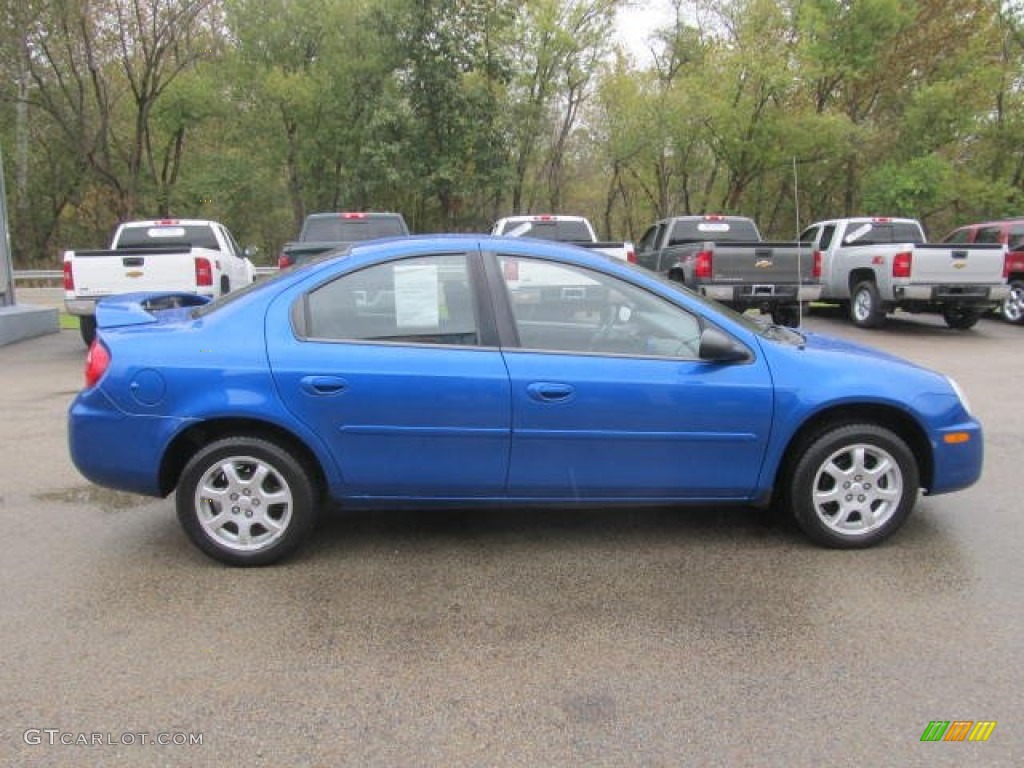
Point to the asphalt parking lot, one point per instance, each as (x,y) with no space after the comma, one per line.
(596,638)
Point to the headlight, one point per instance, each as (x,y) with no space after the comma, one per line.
(959,393)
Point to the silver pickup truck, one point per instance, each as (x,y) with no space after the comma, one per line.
(873,266)
(724,258)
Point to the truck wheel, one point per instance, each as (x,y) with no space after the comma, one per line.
(788,316)
(866,309)
(246,501)
(87,327)
(853,486)
(1012,308)
(961,318)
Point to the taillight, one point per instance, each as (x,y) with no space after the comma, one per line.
(283,261)
(204,271)
(96,363)
(631,255)
(702,269)
(69,277)
(901,264)
(816,265)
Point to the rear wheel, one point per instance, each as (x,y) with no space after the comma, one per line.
(1012,308)
(961,318)
(853,486)
(87,327)
(246,501)
(866,310)
(788,315)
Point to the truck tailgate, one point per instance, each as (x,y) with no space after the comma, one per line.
(102,273)
(942,263)
(762,263)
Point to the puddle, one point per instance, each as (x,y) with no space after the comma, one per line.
(104,498)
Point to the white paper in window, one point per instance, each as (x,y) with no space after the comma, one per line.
(416,296)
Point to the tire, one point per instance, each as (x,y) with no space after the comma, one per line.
(1012,308)
(246,501)
(87,327)
(786,315)
(866,310)
(853,486)
(961,318)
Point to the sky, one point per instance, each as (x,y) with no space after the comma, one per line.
(638,20)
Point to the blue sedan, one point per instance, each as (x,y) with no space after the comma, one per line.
(454,370)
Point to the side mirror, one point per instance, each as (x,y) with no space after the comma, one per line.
(719,347)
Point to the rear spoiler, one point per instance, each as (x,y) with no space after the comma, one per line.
(140,308)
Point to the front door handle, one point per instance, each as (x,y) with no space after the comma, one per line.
(323,385)
(550,392)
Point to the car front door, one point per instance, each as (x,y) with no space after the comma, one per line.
(389,365)
(609,397)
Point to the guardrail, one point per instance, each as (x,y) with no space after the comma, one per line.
(56,275)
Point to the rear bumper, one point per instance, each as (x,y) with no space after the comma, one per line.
(959,294)
(80,307)
(758,293)
(113,449)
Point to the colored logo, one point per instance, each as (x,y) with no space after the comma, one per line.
(958,730)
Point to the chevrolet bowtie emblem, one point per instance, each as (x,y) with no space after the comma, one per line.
(763,263)
(134,273)
(958,265)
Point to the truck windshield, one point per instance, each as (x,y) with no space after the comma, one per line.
(571,231)
(337,229)
(195,236)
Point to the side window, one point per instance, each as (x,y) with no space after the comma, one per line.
(232,244)
(648,240)
(960,236)
(1015,238)
(989,235)
(562,308)
(426,300)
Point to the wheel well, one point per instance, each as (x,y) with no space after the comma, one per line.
(225,284)
(858,276)
(1015,277)
(185,445)
(677,274)
(880,415)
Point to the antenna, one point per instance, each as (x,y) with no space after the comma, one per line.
(799,245)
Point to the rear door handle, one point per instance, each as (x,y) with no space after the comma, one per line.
(550,392)
(323,385)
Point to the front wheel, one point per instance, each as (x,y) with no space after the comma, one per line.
(1012,308)
(246,501)
(960,318)
(854,486)
(866,310)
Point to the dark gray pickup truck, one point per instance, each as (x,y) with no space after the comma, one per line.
(724,258)
(322,232)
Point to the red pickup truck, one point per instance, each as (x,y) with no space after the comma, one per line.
(1008,232)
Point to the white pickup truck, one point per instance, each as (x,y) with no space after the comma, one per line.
(191,255)
(874,266)
(565,229)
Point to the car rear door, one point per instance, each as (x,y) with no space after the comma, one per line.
(394,367)
(609,398)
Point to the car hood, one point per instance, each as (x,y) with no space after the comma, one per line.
(821,342)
